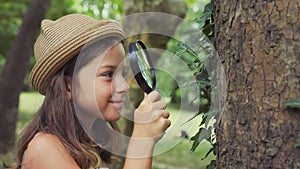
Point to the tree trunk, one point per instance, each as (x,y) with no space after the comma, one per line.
(14,71)
(259,44)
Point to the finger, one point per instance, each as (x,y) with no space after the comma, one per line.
(166,123)
(145,104)
(165,114)
(160,105)
(154,96)
(145,117)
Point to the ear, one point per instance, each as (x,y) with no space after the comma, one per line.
(68,81)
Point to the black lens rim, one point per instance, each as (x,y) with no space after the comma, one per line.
(133,60)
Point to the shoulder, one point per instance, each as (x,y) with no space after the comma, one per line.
(47,151)
(44,140)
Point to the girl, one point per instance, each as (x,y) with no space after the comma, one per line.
(84,88)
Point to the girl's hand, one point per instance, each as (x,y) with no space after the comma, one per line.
(151,118)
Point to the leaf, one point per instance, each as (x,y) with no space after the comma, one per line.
(210,115)
(181,47)
(202,134)
(203,75)
(297,145)
(208,7)
(204,118)
(207,13)
(210,150)
(204,17)
(195,115)
(212,165)
(293,103)
(196,142)
(208,29)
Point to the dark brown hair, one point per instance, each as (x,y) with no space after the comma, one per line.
(58,117)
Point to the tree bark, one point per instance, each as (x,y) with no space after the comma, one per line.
(259,44)
(14,71)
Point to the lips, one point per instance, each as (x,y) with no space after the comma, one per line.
(117,103)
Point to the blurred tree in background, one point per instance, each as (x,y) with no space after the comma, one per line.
(15,68)
(11,14)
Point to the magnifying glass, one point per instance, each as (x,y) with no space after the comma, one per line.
(141,66)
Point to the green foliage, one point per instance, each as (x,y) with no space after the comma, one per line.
(95,8)
(195,8)
(207,19)
(212,164)
(185,51)
(293,103)
(102,8)
(297,145)
(163,79)
(60,8)
(11,13)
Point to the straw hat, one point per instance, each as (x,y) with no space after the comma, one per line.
(61,40)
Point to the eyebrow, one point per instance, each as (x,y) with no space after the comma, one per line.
(108,66)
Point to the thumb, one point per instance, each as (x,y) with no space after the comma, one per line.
(145,104)
(145,95)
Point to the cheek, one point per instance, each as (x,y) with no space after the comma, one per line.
(85,94)
(103,92)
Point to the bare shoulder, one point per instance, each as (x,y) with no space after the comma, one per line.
(47,151)
(44,141)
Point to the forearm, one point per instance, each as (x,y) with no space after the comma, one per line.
(139,154)
(150,123)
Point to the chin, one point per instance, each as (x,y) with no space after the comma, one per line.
(113,116)
(114,119)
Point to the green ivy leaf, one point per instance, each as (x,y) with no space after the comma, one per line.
(297,145)
(208,29)
(208,8)
(210,115)
(181,47)
(209,151)
(190,119)
(202,134)
(212,165)
(293,103)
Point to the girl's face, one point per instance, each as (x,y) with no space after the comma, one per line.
(102,86)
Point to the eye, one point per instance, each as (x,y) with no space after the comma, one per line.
(108,74)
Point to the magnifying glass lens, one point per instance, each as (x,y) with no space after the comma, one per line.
(141,66)
(144,65)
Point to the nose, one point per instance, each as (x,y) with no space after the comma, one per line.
(121,86)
